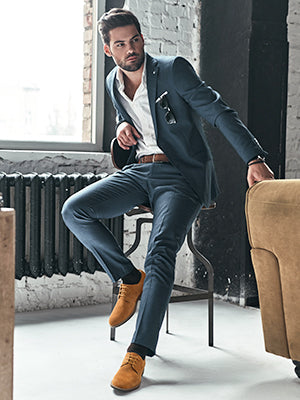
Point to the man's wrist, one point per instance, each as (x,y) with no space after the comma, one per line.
(256,160)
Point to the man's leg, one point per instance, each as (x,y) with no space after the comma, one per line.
(172,219)
(175,206)
(106,198)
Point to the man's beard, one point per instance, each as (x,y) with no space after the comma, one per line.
(133,66)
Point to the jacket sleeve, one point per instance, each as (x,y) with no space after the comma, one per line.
(119,119)
(109,82)
(208,103)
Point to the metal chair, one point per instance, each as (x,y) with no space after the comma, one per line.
(190,293)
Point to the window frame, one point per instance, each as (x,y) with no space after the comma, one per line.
(97,106)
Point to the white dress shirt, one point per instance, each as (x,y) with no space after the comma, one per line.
(139,110)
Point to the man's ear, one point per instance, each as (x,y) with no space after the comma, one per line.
(107,50)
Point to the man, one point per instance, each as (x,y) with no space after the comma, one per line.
(159,102)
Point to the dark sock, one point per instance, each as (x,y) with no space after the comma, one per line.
(139,349)
(132,278)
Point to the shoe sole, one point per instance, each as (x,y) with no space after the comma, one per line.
(124,390)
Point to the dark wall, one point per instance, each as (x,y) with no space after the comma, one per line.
(244,57)
(268,69)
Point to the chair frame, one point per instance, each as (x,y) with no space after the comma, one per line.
(190,293)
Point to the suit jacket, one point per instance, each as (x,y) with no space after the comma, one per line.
(184,142)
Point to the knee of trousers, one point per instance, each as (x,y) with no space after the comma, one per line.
(67,211)
(72,209)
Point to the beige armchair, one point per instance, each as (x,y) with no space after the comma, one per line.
(273,220)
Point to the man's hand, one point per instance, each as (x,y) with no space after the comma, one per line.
(259,172)
(127,135)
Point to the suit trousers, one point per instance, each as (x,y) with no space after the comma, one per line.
(174,204)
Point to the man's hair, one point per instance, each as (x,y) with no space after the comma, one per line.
(115,18)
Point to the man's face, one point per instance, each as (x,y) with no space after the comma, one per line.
(126,47)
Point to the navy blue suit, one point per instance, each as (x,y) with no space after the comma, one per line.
(175,191)
(184,142)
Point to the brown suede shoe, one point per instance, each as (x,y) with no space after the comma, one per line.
(130,373)
(126,303)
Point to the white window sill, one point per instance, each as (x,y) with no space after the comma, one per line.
(23,155)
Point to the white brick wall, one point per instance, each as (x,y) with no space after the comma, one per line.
(87,70)
(59,291)
(293,110)
(170,27)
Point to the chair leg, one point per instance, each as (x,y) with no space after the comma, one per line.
(115,291)
(210,271)
(211,320)
(112,333)
(167,319)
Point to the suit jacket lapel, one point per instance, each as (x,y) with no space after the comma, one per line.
(111,84)
(152,76)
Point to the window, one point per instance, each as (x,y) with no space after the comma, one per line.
(51,79)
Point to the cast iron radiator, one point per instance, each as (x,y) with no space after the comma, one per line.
(44,246)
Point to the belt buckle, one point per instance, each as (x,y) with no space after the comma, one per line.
(153,158)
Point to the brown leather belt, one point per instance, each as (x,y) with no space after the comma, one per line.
(153,158)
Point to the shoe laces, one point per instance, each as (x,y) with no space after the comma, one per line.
(122,291)
(132,359)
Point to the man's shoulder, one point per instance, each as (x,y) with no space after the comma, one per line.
(169,62)
(164,60)
(110,77)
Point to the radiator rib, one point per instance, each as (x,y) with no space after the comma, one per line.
(49,224)
(19,200)
(35,225)
(64,242)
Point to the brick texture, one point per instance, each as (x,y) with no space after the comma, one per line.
(170,27)
(87,70)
